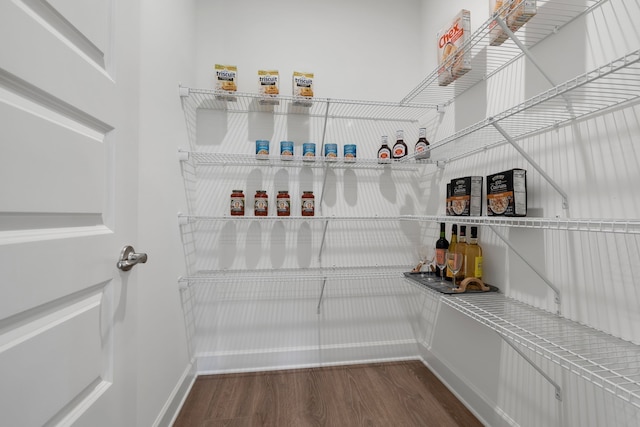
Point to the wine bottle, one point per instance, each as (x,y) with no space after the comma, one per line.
(462,248)
(452,248)
(473,258)
(442,244)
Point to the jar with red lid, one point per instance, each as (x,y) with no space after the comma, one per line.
(261,203)
(283,203)
(237,203)
(308,203)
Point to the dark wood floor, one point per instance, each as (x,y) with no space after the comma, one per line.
(384,394)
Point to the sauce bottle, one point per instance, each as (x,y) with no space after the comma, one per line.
(261,203)
(400,147)
(308,203)
(237,203)
(422,146)
(384,153)
(283,203)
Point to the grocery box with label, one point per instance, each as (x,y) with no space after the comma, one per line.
(507,193)
(453,61)
(466,196)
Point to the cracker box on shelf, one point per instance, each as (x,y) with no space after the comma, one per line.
(226,77)
(453,60)
(466,196)
(521,12)
(269,82)
(507,193)
(302,84)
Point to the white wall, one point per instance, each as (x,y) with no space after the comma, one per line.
(167,46)
(353,47)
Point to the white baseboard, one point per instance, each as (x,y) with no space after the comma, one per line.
(302,357)
(180,392)
(475,400)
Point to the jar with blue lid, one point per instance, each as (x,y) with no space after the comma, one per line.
(309,151)
(350,152)
(286,150)
(262,149)
(331,151)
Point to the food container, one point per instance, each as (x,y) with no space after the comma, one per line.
(309,151)
(261,203)
(308,203)
(350,152)
(507,193)
(466,196)
(237,203)
(283,203)
(331,151)
(262,149)
(286,150)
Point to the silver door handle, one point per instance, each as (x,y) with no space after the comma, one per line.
(128,258)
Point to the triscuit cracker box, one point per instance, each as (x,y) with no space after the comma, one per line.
(226,77)
(269,81)
(453,62)
(302,84)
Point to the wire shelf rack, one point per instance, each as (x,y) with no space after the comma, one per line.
(189,219)
(225,159)
(614,226)
(608,86)
(604,360)
(487,60)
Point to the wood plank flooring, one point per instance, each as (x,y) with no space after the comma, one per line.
(381,394)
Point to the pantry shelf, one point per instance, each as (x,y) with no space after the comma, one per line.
(487,60)
(611,85)
(189,219)
(227,159)
(602,359)
(615,226)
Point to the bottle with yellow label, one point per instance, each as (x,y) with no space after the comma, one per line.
(473,256)
(452,248)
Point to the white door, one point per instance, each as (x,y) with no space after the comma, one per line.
(68,187)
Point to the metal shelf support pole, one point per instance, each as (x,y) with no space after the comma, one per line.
(324,282)
(324,235)
(535,270)
(528,158)
(536,367)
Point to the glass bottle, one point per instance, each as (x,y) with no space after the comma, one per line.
(452,247)
(442,244)
(422,146)
(400,147)
(384,153)
(473,258)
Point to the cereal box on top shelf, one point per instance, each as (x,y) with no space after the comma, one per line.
(269,81)
(521,11)
(497,36)
(226,77)
(453,62)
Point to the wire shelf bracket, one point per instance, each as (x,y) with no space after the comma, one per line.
(532,162)
(553,287)
(555,385)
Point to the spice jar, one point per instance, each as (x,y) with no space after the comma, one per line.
(261,203)
(237,203)
(283,203)
(308,203)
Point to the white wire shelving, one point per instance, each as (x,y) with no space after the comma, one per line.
(189,219)
(614,226)
(486,60)
(228,159)
(603,88)
(604,360)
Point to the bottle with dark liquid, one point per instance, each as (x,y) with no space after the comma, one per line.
(384,153)
(422,146)
(442,244)
(400,147)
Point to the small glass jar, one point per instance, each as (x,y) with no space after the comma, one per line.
(283,203)
(237,203)
(308,203)
(261,203)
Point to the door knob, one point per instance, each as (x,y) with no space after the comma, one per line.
(128,258)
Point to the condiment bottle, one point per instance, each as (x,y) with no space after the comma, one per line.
(237,203)
(400,147)
(283,203)
(422,146)
(261,203)
(308,203)
(384,153)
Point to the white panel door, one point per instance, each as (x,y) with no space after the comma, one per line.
(68,204)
